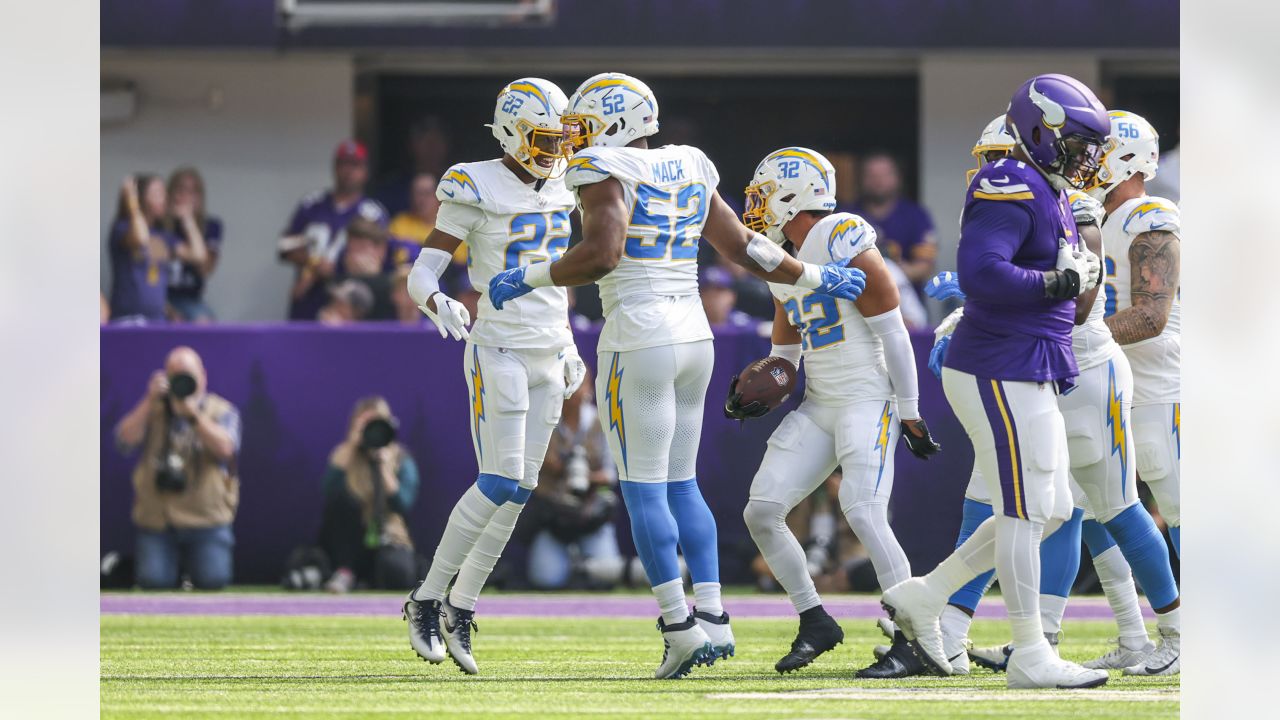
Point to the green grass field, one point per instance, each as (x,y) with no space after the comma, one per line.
(355,667)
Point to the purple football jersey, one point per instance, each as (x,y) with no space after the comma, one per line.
(1009,235)
(138,281)
(324,224)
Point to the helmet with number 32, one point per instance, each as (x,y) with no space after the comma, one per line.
(786,182)
(610,110)
(526,122)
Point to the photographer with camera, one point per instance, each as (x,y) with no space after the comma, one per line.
(185,485)
(370,485)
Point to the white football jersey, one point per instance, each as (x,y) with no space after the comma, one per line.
(1156,362)
(506,224)
(651,298)
(1092,341)
(843,358)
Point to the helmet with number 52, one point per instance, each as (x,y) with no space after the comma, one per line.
(526,122)
(786,182)
(1134,148)
(610,110)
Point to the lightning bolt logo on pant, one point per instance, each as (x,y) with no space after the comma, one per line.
(882,440)
(1115,421)
(613,400)
(477,395)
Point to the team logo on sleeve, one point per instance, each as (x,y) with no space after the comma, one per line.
(462,180)
(847,234)
(1152,209)
(586,162)
(1001,188)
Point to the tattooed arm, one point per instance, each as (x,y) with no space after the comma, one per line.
(1155,261)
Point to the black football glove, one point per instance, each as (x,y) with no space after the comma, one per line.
(735,410)
(919,441)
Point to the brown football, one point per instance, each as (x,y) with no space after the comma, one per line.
(769,381)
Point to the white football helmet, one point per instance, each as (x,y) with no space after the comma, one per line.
(610,110)
(994,143)
(788,181)
(1134,147)
(526,122)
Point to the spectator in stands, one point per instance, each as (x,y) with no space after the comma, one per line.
(904,228)
(199,243)
(719,297)
(349,301)
(315,238)
(416,222)
(428,152)
(568,523)
(185,484)
(140,250)
(370,485)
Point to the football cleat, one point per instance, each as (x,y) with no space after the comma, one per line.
(1121,657)
(1164,660)
(900,662)
(684,645)
(717,628)
(1040,667)
(458,625)
(915,610)
(423,618)
(995,659)
(814,638)
(887,628)
(880,651)
(957,650)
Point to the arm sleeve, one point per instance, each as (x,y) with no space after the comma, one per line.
(424,278)
(991,234)
(899,360)
(407,473)
(459,220)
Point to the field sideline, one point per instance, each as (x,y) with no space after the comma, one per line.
(541,656)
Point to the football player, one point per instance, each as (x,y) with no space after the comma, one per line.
(860,395)
(644,211)
(1022,267)
(519,365)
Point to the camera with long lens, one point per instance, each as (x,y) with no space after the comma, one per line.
(182,385)
(378,433)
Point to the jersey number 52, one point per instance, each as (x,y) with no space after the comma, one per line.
(661,222)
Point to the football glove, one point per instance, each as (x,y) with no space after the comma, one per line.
(574,371)
(450,317)
(1077,271)
(944,286)
(735,410)
(938,355)
(842,282)
(919,441)
(508,285)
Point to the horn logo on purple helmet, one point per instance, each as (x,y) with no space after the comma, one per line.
(1061,126)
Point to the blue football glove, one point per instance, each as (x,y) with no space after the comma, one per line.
(944,286)
(937,355)
(508,285)
(842,282)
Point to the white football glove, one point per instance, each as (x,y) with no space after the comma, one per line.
(1086,210)
(948,324)
(1081,261)
(574,371)
(451,317)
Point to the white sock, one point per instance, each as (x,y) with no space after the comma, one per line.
(1117,582)
(706,598)
(870,522)
(484,556)
(1018,567)
(955,623)
(767,522)
(1052,608)
(1170,621)
(974,557)
(466,523)
(671,601)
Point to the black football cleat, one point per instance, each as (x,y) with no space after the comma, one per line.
(900,662)
(818,633)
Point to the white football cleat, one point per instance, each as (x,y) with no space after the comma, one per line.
(716,628)
(457,626)
(423,619)
(957,650)
(1121,657)
(683,646)
(914,609)
(1040,667)
(996,659)
(1164,660)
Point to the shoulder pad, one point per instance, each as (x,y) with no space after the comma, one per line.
(1152,213)
(458,185)
(1001,180)
(586,167)
(1086,210)
(849,236)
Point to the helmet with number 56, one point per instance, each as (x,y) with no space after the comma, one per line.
(786,182)
(610,110)
(526,122)
(1134,147)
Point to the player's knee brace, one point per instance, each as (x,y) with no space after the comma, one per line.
(1143,546)
(765,517)
(1060,557)
(496,488)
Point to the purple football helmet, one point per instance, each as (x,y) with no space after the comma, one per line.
(1059,123)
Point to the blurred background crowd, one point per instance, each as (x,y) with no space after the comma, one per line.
(274,175)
